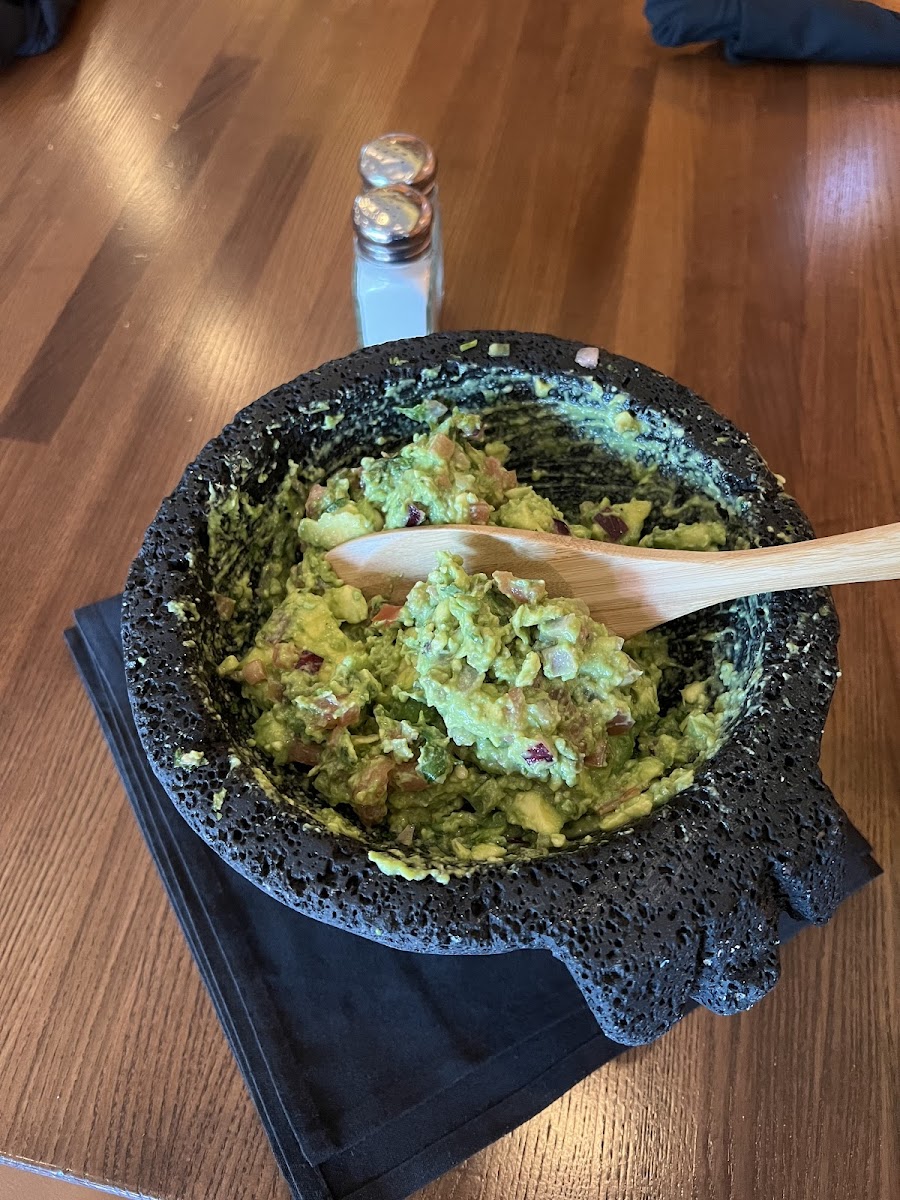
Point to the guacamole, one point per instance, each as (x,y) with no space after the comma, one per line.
(483,720)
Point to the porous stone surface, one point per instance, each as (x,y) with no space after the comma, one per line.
(682,907)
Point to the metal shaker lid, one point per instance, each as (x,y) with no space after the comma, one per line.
(398,158)
(392,224)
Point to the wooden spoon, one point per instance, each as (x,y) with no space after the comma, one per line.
(627,587)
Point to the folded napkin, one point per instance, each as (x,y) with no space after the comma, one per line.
(835,31)
(31,26)
(374,1070)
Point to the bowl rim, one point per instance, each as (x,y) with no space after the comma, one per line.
(506,905)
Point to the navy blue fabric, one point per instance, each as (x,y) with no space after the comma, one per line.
(30,27)
(373,1070)
(834,31)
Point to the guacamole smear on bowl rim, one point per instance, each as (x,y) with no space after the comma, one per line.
(483,720)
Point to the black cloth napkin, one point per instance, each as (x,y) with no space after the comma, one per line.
(374,1070)
(834,31)
(31,26)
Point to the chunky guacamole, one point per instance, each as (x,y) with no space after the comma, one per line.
(483,720)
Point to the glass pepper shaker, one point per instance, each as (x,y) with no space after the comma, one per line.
(405,158)
(394,283)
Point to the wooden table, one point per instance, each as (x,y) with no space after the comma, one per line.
(174,240)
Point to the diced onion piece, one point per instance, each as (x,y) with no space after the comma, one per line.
(537,753)
(309,662)
(523,591)
(434,410)
(588,356)
(613,526)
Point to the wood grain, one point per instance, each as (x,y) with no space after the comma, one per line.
(174,198)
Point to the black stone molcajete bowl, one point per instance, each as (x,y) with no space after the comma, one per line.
(682,907)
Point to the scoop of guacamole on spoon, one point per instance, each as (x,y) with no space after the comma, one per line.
(483,720)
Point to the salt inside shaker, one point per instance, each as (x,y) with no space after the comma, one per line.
(394,285)
(405,158)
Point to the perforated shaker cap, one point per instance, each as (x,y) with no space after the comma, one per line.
(392,224)
(398,158)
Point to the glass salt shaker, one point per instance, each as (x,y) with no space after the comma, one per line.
(394,284)
(405,158)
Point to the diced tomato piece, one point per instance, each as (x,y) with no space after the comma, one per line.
(333,712)
(307,753)
(442,446)
(285,655)
(224,606)
(368,788)
(479,512)
(597,757)
(515,702)
(349,716)
(386,614)
(505,581)
(371,779)
(622,798)
(495,468)
(621,723)
(314,500)
(405,778)
(575,727)
(254,671)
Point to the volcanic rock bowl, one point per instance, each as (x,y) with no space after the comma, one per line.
(682,907)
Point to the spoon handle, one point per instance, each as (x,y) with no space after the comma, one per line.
(858,557)
(654,586)
(648,587)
